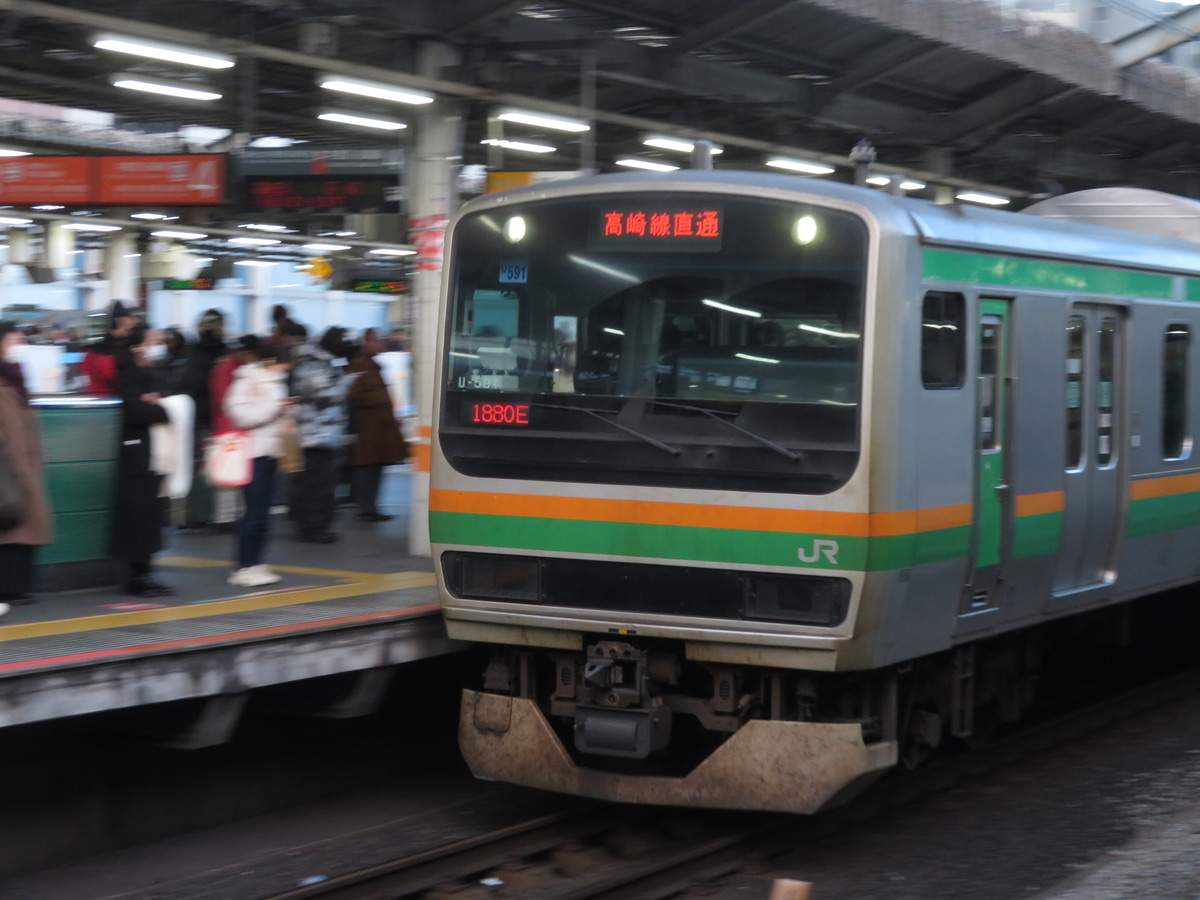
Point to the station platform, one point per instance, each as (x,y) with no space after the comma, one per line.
(360,607)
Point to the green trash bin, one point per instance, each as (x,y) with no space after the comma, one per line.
(80,438)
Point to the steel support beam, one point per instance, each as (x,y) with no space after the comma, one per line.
(1155,40)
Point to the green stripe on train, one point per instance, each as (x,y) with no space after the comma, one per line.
(715,545)
(1037,535)
(1155,515)
(981,268)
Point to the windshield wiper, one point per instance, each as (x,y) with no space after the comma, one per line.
(766,442)
(665,448)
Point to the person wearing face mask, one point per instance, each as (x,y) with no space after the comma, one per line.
(138,517)
(20,440)
(257,402)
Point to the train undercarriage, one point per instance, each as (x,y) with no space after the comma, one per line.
(636,721)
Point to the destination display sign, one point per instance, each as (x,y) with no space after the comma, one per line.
(658,227)
(329,193)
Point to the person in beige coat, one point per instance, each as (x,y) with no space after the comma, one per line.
(20,439)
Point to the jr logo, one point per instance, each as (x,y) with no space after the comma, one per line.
(828,549)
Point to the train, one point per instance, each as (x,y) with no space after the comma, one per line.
(754,487)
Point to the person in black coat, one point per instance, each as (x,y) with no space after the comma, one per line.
(137,522)
(202,358)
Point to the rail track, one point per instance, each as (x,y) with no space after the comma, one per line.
(605,852)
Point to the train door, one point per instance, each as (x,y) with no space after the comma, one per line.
(992,499)
(1093,508)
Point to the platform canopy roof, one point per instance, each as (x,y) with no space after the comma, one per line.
(960,92)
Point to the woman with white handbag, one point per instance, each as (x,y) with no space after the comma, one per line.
(257,403)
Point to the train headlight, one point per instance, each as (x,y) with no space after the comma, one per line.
(476,576)
(805,230)
(802,599)
(514,229)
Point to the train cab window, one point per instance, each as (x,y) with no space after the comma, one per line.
(1074,398)
(1177,443)
(690,339)
(943,340)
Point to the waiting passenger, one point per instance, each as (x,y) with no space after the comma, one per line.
(21,443)
(319,388)
(257,402)
(378,441)
(138,517)
(100,362)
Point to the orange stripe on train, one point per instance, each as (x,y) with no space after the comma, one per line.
(1163,487)
(696,515)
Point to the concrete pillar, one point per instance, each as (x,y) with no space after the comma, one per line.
(59,242)
(258,301)
(941,161)
(434,199)
(120,267)
(18,245)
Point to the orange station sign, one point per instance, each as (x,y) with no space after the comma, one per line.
(46,179)
(198,178)
(114,180)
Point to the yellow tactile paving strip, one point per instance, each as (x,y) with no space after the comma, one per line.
(357,584)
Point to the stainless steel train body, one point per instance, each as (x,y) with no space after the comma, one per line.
(758,484)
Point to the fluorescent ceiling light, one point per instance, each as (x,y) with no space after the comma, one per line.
(47,207)
(388,251)
(149,215)
(87,226)
(9,220)
(377,91)
(907,184)
(253,262)
(273,142)
(677,144)
(646,164)
(363,121)
(325,248)
(986,199)
(254,242)
(181,235)
(158,87)
(800,165)
(716,304)
(263,226)
(5,152)
(537,120)
(166,52)
(523,146)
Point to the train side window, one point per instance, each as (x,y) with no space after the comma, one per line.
(1105,393)
(943,340)
(1176,442)
(1075,336)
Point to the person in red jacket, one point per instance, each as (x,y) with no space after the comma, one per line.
(100,363)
